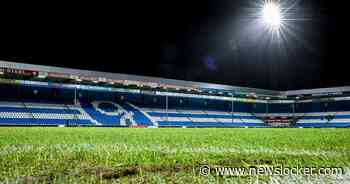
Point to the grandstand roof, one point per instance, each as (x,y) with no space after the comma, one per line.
(199,85)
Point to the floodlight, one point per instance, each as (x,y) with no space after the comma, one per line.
(271,15)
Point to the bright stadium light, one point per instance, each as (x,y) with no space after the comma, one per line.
(271,14)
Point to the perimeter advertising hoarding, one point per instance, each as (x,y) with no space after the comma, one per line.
(58,75)
(13,71)
(9,81)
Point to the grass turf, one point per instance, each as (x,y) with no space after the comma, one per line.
(108,155)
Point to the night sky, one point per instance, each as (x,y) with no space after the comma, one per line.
(207,41)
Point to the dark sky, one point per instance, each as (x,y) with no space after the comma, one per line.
(213,41)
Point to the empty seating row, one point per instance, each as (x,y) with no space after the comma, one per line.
(316,119)
(104,113)
(198,118)
(108,113)
(209,124)
(12,113)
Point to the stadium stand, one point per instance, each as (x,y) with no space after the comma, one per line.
(126,109)
(192,118)
(39,114)
(325,119)
(36,103)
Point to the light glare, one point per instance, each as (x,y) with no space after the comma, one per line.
(272,15)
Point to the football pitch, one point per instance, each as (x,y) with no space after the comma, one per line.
(121,155)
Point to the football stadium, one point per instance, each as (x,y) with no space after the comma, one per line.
(176,128)
(34,95)
(229,91)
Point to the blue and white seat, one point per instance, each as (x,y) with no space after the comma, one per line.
(324,119)
(12,113)
(341,119)
(200,118)
(98,113)
(107,113)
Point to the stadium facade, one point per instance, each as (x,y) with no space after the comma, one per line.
(34,95)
